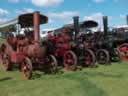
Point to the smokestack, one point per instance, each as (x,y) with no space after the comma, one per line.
(105,25)
(36,19)
(76,25)
(127,19)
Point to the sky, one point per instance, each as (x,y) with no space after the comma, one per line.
(60,12)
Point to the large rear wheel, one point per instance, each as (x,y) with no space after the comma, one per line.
(70,60)
(89,58)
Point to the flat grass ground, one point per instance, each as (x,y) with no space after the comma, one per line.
(106,80)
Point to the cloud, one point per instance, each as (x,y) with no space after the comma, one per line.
(49,29)
(50,21)
(2,20)
(46,3)
(14,1)
(98,1)
(96,17)
(25,10)
(3,12)
(63,15)
(122,16)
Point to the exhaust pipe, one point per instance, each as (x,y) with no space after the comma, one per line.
(76,25)
(36,19)
(127,19)
(105,25)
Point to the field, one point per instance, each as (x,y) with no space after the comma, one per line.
(105,80)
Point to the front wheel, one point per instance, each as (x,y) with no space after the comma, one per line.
(70,60)
(53,64)
(103,56)
(26,68)
(5,61)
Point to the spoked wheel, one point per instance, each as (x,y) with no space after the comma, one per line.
(26,68)
(70,60)
(123,49)
(117,55)
(103,56)
(5,60)
(89,58)
(53,64)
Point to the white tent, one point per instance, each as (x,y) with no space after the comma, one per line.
(8,23)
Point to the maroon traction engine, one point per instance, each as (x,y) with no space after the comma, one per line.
(63,45)
(26,51)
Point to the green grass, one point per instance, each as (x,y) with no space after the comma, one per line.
(102,81)
(110,80)
(1,40)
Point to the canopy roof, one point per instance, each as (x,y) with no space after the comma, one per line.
(25,20)
(84,24)
(89,24)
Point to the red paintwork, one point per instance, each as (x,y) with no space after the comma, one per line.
(62,43)
(17,57)
(124,52)
(26,46)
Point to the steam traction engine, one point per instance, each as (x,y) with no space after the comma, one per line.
(111,45)
(69,50)
(102,44)
(107,45)
(26,50)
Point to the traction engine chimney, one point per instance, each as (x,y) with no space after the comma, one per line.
(127,19)
(76,25)
(105,25)
(36,19)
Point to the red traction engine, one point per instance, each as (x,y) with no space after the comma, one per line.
(63,50)
(26,51)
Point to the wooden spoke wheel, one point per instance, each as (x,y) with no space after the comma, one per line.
(5,61)
(89,58)
(26,68)
(123,49)
(53,64)
(70,60)
(103,56)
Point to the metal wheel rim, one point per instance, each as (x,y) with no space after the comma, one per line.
(26,68)
(68,63)
(89,57)
(5,62)
(103,57)
(53,64)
